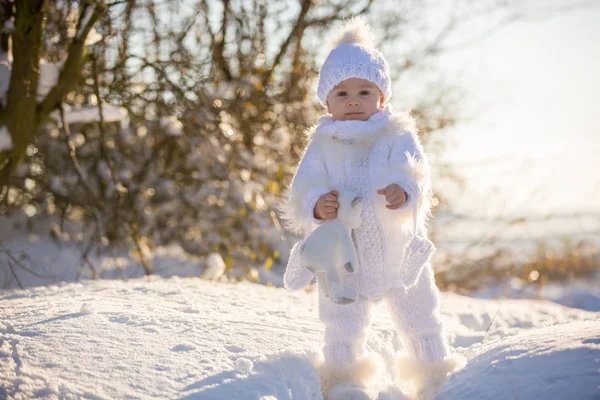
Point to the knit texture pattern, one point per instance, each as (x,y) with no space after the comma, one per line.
(364,156)
(418,253)
(354,57)
(297,211)
(296,276)
(416,315)
(345,330)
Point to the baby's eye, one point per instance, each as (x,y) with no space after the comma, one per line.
(364,93)
(341,94)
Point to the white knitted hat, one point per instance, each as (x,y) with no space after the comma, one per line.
(354,56)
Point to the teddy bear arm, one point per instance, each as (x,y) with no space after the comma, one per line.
(322,282)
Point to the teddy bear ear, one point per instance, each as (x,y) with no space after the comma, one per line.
(356,201)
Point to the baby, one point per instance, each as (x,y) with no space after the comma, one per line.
(363,147)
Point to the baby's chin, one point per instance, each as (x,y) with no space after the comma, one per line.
(355,117)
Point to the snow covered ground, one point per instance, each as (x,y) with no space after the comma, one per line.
(169,336)
(194,339)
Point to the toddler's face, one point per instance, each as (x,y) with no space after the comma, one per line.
(354,99)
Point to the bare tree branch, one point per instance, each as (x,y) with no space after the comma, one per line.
(295,32)
(19,113)
(14,274)
(218,46)
(73,155)
(20,264)
(339,14)
(75,61)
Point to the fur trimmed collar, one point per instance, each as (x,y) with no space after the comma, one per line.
(360,132)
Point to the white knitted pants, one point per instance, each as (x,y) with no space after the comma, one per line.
(416,317)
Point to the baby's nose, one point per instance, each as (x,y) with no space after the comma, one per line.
(353,103)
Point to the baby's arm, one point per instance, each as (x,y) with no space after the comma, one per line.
(327,205)
(308,185)
(408,168)
(395,196)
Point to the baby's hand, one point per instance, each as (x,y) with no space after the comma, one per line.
(395,196)
(327,205)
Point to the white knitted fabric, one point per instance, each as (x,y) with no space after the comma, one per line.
(354,56)
(296,276)
(416,317)
(364,156)
(417,253)
(345,330)
(328,250)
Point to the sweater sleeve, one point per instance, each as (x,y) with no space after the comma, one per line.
(309,183)
(408,167)
(296,276)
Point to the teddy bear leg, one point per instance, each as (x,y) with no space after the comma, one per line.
(322,282)
(348,255)
(350,295)
(339,292)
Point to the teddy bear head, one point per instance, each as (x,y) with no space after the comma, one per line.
(350,208)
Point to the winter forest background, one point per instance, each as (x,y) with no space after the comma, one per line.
(146,144)
(137,135)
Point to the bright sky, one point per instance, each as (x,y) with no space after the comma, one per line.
(537,138)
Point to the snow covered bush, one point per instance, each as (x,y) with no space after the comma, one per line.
(148,149)
(183,124)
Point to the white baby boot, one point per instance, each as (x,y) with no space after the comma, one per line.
(349,381)
(421,379)
(348,391)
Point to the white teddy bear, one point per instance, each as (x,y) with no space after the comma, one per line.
(328,248)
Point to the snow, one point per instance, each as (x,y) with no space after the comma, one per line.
(5,71)
(54,263)
(9,26)
(48,78)
(84,114)
(171,125)
(191,338)
(555,362)
(128,336)
(578,294)
(84,20)
(5,139)
(215,266)
(244,365)
(92,37)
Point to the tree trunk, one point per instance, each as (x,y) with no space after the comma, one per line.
(19,116)
(23,114)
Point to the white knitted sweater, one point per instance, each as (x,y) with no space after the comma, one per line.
(364,156)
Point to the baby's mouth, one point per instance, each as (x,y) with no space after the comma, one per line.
(354,113)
